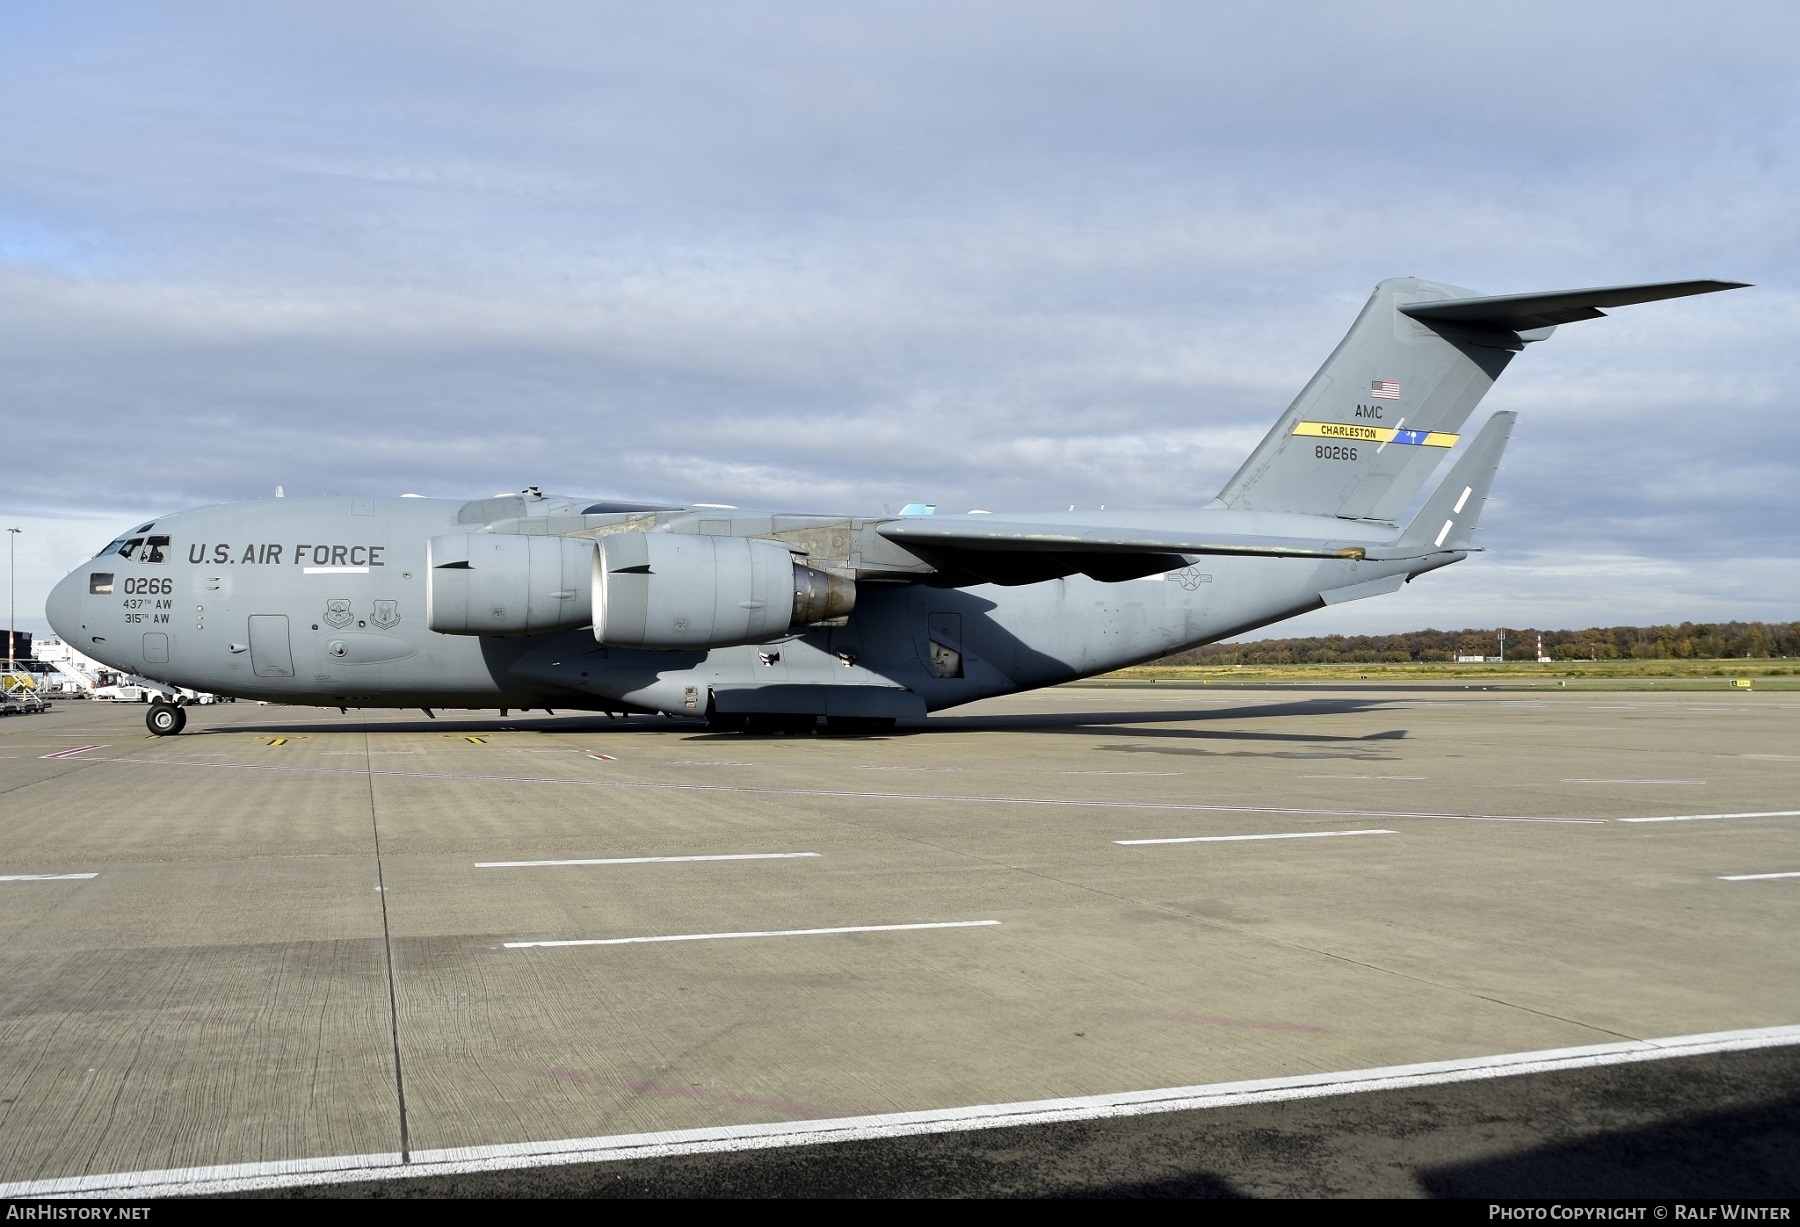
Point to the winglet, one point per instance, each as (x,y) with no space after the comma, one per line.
(1447,520)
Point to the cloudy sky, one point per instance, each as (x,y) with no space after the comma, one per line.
(834,256)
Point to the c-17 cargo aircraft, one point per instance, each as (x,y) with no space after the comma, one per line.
(768,622)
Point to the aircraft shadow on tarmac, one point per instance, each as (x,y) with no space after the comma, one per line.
(1747,1153)
(1750,1152)
(1137,724)
(458,725)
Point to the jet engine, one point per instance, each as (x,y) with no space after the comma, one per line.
(676,590)
(502,584)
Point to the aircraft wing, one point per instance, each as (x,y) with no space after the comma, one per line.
(998,550)
(993,533)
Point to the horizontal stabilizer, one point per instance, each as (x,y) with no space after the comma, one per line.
(1523,312)
(1447,520)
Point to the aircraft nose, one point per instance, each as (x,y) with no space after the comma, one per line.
(63,609)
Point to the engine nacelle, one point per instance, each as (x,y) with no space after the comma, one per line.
(676,590)
(500,584)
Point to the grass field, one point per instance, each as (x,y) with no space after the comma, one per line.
(1777,674)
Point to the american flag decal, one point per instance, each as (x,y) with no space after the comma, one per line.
(1384,389)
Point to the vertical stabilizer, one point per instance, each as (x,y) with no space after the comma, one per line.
(1368,429)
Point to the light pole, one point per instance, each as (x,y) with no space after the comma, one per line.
(12,535)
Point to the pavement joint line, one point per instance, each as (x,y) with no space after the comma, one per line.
(710,937)
(1756,877)
(647,860)
(1777,813)
(387,944)
(47,877)
(860,795)
(1229,839)
(228,1178)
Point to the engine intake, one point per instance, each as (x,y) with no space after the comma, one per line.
(669,590)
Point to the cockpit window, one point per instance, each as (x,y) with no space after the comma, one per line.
(100,583)
(142,549)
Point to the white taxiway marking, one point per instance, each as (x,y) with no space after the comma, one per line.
(1756,877)
(1124,773)
(72,753)
(1634,781)
(46,877)
(713,937)
(1232,839)
(1774,813)
(647,860)
(1364,777)
(871,767)
(339,1169)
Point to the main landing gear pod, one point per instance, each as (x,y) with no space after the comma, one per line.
(165,719)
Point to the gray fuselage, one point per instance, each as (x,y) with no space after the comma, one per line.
(323,601)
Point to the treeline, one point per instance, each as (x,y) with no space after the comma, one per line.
(1689,641)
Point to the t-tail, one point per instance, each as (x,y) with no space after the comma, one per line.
(1368,430)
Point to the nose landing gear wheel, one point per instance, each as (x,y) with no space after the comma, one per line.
(165,719)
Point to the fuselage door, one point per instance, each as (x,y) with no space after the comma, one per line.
(944,645)
(270,655)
